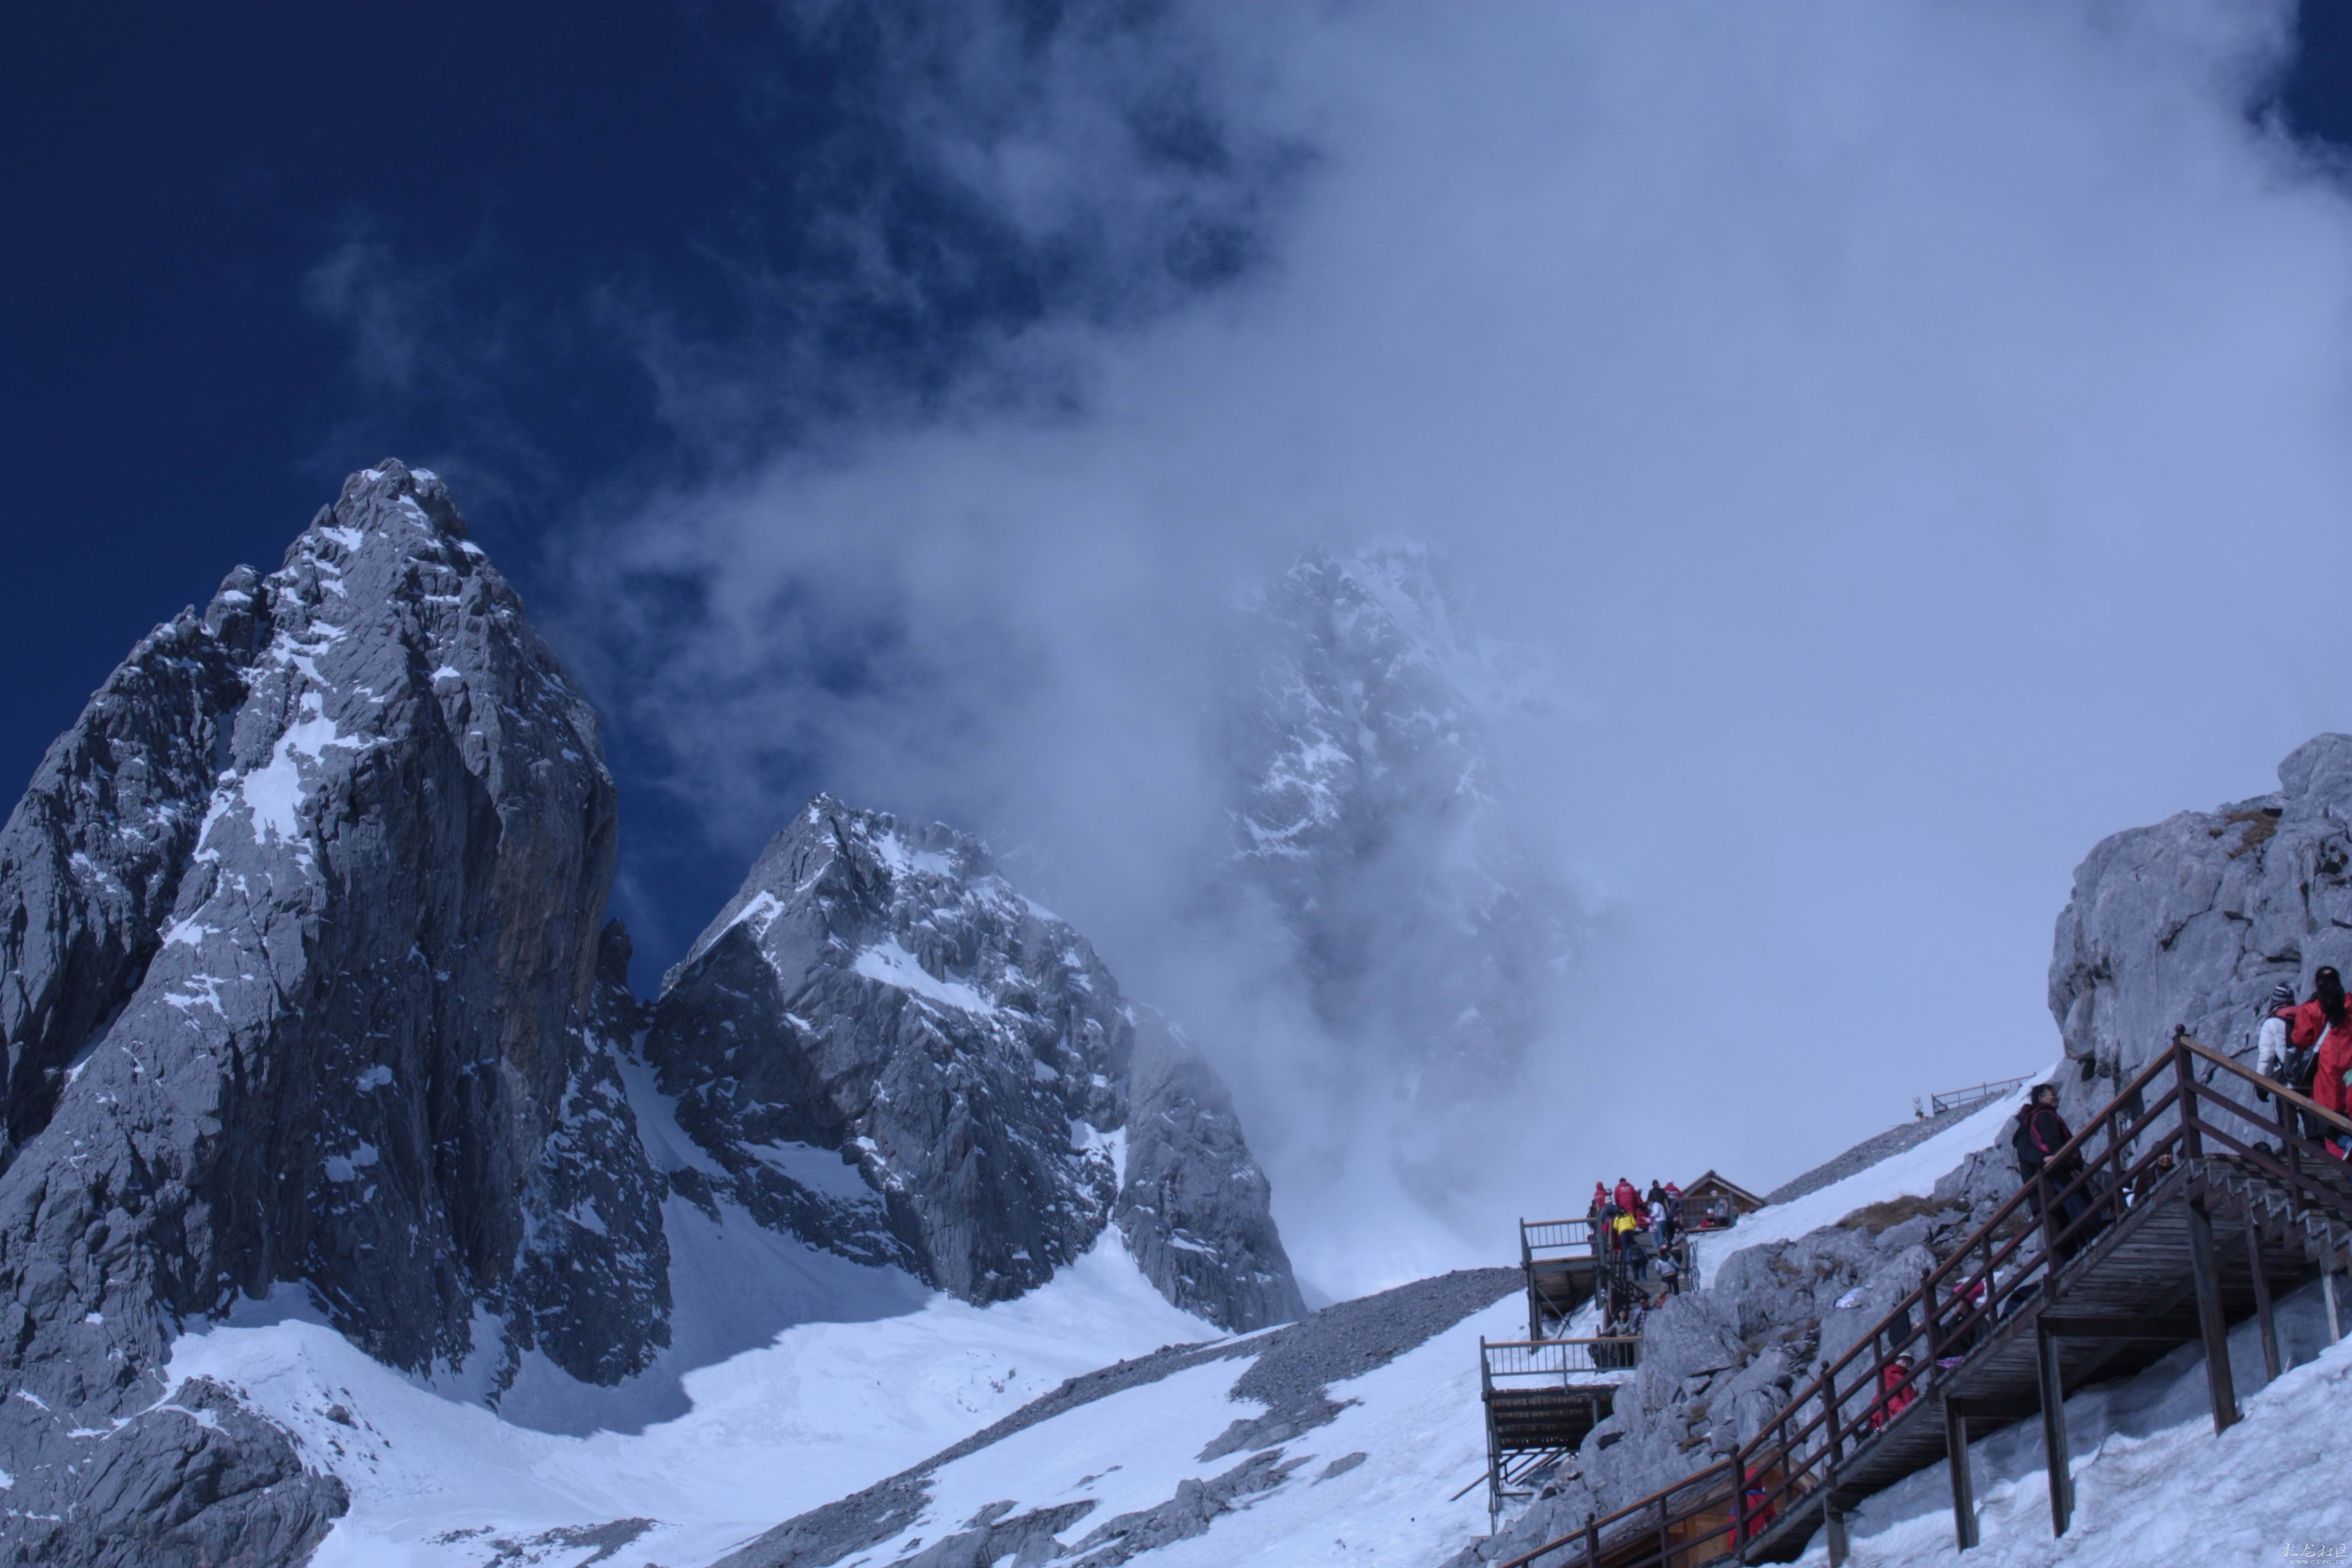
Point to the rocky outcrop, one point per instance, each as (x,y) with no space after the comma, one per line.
(2191,922)
(299,927)
(1366,818)
(887,1050)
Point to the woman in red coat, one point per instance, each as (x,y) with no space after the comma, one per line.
(2327,1021)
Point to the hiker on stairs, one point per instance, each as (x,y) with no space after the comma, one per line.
(2276,1058)
(1896,1392)
(2322,1026)
(2040,1133)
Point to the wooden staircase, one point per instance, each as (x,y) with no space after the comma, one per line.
(1542,1399)
(2185,1213)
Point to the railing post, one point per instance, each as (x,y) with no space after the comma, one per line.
(2192,1146)
(1592,1540)
(2212,1327)
(2268,1324)
(1956,1455)
(2054,1428)
(1830,1403)
(2045,1219)
(1739,1532)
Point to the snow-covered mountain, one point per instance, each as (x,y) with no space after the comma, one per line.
(352,1212)
(305,991)
(1358,738)
(877,993)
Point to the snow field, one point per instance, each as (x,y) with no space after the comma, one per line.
(1416,1420)
(714,1450)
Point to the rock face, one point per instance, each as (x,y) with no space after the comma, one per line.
(889,1052)
(2192,922)
(1365,815)
(302,983)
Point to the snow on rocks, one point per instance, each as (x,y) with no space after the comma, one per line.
(879,995)
(272,865)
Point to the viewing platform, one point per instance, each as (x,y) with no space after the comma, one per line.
(1556,1257)
(1542,1399)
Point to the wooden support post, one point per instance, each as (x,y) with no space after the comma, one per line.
(2262,1302)
(2053,1431)
(2215,1328)
(1838,1547)
(2335,1320)
(1591,1541)
(1956,1459)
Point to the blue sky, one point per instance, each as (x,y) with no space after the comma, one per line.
(259,249)
(1896,422)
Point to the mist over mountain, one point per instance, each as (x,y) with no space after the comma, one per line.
(1371,824)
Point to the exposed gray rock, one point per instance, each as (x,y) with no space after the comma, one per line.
(299,931)
(1194,1507)
(2192,922)
(1195,1208)
(893,1055)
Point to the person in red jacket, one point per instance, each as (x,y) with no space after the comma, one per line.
(1629,1200)
(2331,1083)
(1894,1394)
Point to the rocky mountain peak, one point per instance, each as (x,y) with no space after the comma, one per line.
(1357,734)
(894,1054)
(300,928)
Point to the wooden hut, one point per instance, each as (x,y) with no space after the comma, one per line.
(1712,1203)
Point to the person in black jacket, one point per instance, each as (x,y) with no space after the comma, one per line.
(2040,1133)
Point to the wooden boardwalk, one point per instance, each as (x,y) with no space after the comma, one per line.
(2192,1207)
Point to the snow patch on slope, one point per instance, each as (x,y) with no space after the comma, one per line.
(1371,1487)
(878,1374)
(1913,1172)
(888,961)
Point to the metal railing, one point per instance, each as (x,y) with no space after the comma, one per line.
(1539,1236)
(1975,1094)
(2089,1184)
(1559,1359)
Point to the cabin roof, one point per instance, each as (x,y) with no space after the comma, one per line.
(1728,1188)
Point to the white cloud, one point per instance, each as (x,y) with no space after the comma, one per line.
(1917,429)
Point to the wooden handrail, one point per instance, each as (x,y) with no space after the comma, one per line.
(1774,1446)
(2278,1090)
